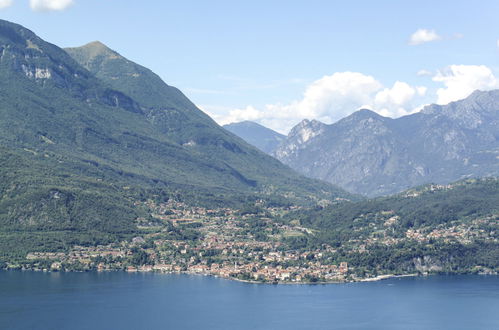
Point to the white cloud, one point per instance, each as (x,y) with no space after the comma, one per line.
(50,5)
(422,36)
(333,97)
(461,80)
(399,94)
(329,99)
(248,113)
(424,72)
(421,90)
(497,43)
(398,100)
(5,3)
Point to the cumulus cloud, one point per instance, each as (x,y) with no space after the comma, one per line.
(336,96)
(399,94)
(331,98)
(50,5)
(5,3)
(461,80)
(422,36)
(421,90)
(248,113)
(397,100)
(328,99)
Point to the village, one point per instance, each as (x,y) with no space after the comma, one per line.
(226,244)
(246,246)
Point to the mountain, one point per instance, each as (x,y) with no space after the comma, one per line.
(182,123)
(82,145)
(176,117)
(257,135)
(369,154)
(166,107)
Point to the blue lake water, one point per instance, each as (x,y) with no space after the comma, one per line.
(33,300)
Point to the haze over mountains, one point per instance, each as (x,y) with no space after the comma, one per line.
(257,135)
(369,154)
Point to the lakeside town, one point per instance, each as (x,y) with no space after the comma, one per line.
(219,242)
(247,245)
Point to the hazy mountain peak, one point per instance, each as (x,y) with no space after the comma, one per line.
(481,101)
(245,123)
(257,135)
(481,107)
(363,114)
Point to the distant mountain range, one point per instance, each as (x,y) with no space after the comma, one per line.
(369,154)
(257,135)
(373,155)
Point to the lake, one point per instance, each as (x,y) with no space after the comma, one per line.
(116,300)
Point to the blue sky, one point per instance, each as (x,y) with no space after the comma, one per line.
(277,62)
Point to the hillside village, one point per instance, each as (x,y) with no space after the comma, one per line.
(250,245)
(227,248)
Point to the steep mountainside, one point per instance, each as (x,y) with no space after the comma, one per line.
(165,106)
(257,135)
(171,113)
(78,151)
(369,154)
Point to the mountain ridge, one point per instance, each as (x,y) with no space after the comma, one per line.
(367,153)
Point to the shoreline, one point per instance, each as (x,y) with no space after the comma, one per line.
(355,280)
(389,276)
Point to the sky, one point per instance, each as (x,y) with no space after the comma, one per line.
(279,62)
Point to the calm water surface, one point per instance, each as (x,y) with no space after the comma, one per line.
(30,300)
